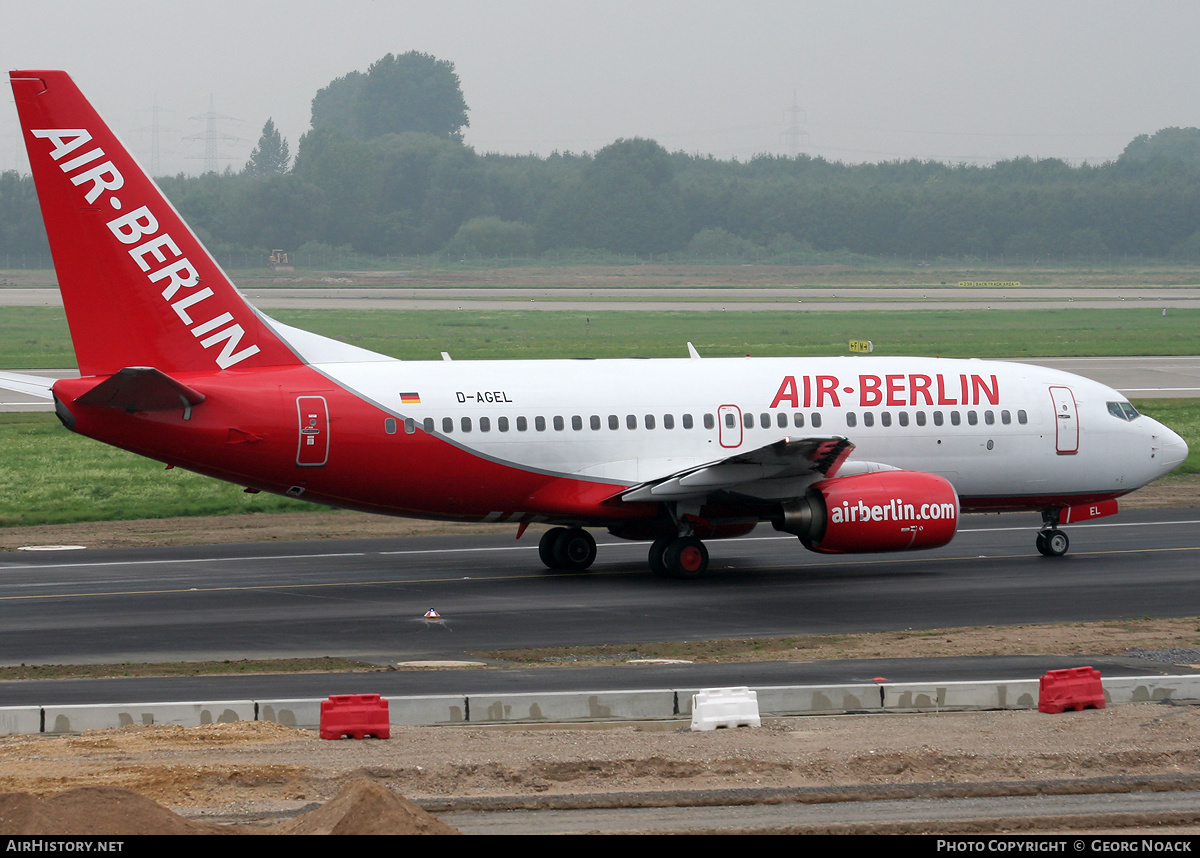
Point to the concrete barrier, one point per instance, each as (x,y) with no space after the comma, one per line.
(569,706)
(76,719)
(1146,689)
(592,706)
(20,720)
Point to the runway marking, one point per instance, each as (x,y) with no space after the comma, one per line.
(530,547)
(457,578)
(5,567)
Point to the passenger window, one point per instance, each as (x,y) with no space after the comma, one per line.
(920,418)
(937,418)
(594,421)
(668,421)
(747,420)
(630,421)
(972,417)
(389,425)
(816,420)
(764,420)
(466,424)
(502,424)
(447,425)
(989,418)
(955,418)
(522,424)
(886,418)
(868,418)
(903,418)
(614,422)
(539,423)
(559,425)
(851,419)
(428,424)
(1022,417)
(1006,417)
(798,420)
(577,423)
(649,421)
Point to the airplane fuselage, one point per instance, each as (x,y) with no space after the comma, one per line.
(479,440)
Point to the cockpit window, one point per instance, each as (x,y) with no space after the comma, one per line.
(1123,410)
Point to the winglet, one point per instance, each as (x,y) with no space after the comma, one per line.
(692,353)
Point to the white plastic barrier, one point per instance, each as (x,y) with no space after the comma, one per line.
(724,707)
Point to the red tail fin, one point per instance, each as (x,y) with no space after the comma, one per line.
(139,288)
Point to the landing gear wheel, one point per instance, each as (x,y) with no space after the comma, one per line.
(574,550)
(657,549)
(546,546)
(1052,543)
(686,557)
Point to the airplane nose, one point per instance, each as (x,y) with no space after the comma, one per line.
(1172,449)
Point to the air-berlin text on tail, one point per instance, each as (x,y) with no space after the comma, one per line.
(900,390)
(172,271)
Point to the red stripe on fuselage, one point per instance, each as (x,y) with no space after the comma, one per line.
(246,432)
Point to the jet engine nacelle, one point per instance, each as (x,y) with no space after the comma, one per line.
(884,511)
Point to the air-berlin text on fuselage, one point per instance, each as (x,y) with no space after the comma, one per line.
(898,390)
(153,250)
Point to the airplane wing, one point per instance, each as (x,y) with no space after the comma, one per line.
(777,468)
(30,385)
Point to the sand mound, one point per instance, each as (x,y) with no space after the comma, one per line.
(93,810)
(365,807)
(362,807)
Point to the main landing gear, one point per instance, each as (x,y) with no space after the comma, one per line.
(678,557)
(567,549)
(1051,542)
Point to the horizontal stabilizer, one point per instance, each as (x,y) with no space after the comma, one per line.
(142,388)
(30,385)
(784,459)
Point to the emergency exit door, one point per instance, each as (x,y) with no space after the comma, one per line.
(313,449)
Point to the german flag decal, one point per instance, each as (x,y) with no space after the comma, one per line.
(410,398)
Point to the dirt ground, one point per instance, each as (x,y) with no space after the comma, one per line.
(252,773)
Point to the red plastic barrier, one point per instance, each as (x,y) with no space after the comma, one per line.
(1074,688)
(356,716)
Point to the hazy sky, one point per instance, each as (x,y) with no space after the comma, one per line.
(874,81)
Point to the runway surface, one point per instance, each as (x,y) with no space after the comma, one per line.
(365,599)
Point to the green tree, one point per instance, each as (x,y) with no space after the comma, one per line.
(271,155)
(409,92)
(1169,144)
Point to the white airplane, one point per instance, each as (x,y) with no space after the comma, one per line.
(177,366)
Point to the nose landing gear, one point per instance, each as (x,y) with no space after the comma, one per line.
(1051,542)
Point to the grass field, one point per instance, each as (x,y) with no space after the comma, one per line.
(37,337)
